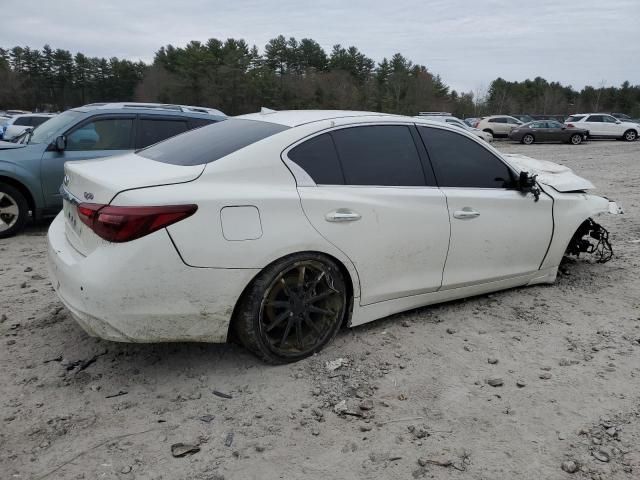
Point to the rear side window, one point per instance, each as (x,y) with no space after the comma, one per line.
(152,131)
(460,162)
(319,159)
(207,144)
(574,118)
(22,121)
(35,121)
(379,155)
(595,118)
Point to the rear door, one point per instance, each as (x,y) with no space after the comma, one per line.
(369,194)
(555,131)
(95,137)
(497,232)
(596,126)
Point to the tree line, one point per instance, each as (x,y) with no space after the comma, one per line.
(288,74)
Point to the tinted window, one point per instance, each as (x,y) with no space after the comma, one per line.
(379,155)
(460,162)
(102,134)
(554,124)
(498,120)
(595,118)
(152,131)
(35,121)
(513,121)
(200,122)
(538,125)
(574,118)
(318,158)
(22,121)
(207,144)
(609,119)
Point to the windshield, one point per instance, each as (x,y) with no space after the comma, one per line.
(45,132)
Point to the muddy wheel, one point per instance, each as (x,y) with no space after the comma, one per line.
(14,210)
(528,139)
(630,135)
(576,139)
(292,309)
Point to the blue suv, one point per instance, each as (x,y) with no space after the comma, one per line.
(32,166)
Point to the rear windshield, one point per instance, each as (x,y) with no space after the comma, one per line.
(575,118)
(210,143)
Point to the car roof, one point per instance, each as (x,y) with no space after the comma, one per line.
(162,108)
(294,118)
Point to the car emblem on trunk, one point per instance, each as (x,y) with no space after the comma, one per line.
(88,196)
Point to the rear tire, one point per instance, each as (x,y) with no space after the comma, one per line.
(292,309)
(14,210)
(528,139)
(575,139)
(630,135)
(488,130)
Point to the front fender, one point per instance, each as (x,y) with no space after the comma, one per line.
(569,211)
(25,177)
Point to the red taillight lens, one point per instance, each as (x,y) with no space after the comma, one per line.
(123,224)
(570,125)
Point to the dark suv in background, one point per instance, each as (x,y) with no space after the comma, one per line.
(32,168)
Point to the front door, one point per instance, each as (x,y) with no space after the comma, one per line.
(95,137)
(497,232)
(371,198)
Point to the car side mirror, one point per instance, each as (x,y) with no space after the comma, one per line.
(60,143)
(527,184)
(618,122)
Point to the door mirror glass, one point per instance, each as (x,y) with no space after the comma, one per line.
(60,143)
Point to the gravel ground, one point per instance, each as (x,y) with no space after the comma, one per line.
(411,396)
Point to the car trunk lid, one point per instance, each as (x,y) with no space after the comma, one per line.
(99,181)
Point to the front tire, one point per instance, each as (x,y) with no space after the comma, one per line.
(528,139)
(630,135)
(14,210)
(292,309)
(575,139)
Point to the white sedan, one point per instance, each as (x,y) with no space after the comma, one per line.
(278,228)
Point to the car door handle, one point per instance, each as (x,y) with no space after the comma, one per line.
(466,213)
(342,215)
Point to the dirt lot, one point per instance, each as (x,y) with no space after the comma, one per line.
(417,402)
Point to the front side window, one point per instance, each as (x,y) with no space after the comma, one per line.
(513,121)
(22,121)
(379,155)
(46,132)
(461,162)
(538,125)
(609,119)
(102,134)
(152,131)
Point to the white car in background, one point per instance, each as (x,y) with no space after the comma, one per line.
(456,122)
(498,125)
(278,228)
(18,124)
(602,125)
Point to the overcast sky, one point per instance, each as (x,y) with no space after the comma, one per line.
(468,42)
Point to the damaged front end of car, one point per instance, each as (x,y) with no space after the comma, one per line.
(591,238)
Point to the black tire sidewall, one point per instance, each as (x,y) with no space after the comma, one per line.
(246,321)
(23,209)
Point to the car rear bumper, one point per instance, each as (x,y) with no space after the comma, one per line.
(141,291)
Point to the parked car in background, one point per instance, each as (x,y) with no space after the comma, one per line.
(498,125)
(557,118)
(541,131)
(602,125)
(456,122)
(523,118)
(20,123)
(32,168)
(4,121)
(276,229)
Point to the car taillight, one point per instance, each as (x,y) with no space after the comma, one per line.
(570,125)
(123,224)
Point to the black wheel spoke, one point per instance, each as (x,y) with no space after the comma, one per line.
(285,287)
(279,319)
(321,296)
(277,304)
(309,322)
(316,281)
(299,333)
(301,273)
(286,331)
(314,309)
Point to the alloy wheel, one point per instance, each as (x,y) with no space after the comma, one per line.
(300,309)
(630,136)
(9,211)
(576,139)
(527,139)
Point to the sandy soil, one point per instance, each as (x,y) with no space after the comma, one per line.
(416,399)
